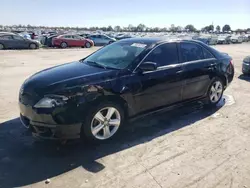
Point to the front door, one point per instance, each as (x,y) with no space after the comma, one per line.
(20,42)
(164,85)
(198,64)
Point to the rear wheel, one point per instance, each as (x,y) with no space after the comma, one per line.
(64,45)
(103,122)
(215,92)
(87,45)
(1,46)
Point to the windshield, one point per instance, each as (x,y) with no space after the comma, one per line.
(117,55)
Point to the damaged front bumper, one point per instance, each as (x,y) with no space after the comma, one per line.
(48,125)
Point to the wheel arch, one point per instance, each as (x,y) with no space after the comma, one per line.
(223,79)
(34,44)
(3,45)
(113,98)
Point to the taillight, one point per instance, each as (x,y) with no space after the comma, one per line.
(230,68)
(231,62)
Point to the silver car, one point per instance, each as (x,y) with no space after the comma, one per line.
(236,39)
(13,41)
(100,39)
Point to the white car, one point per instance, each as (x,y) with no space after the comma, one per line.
(236,39)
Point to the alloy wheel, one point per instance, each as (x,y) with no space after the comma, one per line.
(64,45)
(216,92)
(1,47)
(105,123)
(88,45)
(32,46)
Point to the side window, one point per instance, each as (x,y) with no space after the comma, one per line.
(207,54)
(104,37)
(16,37)
(191,52)
(76,37)
(165,54)
(67,37)
(6,37)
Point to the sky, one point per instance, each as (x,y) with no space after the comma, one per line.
(152,13)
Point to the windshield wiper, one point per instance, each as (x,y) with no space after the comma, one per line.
(100,65)
(93,63)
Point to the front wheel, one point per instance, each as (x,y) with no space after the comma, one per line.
(33,46)
(215,92)
(103,122)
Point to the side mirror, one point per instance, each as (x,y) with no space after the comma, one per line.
(148,66)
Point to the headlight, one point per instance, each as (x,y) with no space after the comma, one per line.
(49,102)
(246,63)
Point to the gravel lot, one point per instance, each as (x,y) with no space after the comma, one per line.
(189,147)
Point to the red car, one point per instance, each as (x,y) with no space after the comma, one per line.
(65,41)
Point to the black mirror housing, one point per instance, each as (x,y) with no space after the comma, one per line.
(148,66)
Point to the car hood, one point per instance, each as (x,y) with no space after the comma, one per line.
(65,76)
(33,40)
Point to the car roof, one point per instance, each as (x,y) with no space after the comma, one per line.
(153,40)
(7,33)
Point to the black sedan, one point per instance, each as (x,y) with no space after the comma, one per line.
(14,41)
(91,98)
(246,65)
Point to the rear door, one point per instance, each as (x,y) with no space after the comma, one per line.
(198,67)
(7,41)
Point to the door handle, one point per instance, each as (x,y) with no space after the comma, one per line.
(179,72)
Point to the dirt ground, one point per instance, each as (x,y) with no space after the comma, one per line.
(188,147)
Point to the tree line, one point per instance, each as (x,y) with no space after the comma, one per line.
(139,28)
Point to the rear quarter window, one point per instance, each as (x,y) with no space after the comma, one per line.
(207,54)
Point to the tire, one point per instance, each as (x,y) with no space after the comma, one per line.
(215,92)
(64,45)
(33,46)
(1,46)
(87,45)
(97,128)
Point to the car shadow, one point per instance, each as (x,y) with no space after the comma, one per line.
(24,161)
(244,77)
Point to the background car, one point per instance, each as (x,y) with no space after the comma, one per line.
(123,36)
(65,41)
(224,40)
(91,98)
(246,65)
(100,39)
(14,41)
(236,39)
(209,40)
(48,40)
(245,38)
